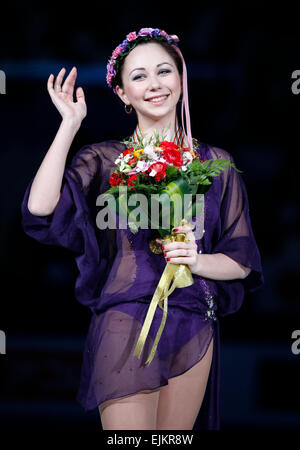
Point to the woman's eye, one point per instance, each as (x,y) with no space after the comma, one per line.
(165,71)
(138,77)
(141,76)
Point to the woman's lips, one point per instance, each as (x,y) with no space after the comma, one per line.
(159,100)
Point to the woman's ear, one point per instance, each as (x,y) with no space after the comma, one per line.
(121,93)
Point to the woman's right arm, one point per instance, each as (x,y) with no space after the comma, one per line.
(46,186)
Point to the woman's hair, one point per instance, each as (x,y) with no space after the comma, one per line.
(169,49)
(169,43)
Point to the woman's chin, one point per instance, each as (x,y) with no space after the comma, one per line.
(157,112)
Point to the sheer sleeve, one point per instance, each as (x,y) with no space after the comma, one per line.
(236,239)
(68,224)
(71,225)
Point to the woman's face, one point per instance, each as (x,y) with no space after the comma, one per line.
(151,81)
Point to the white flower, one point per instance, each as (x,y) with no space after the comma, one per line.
(148,148)
(183,168)
(127,157)
(142,166)
(161,159)
(150,152)
(122,165)
(187,157)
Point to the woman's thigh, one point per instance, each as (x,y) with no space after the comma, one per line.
(180,401)
(133,412)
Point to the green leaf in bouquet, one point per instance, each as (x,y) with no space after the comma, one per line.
(205,186)
(196,207)
(205,180)
(113,190)
(171,172)
(146,188)
(170,203)
(217,165)
(193,188)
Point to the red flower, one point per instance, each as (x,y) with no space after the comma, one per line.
(115,179)
(201,160)
(128,151)
(171,153)
(131,179)
(173,156)
(166,145)
(160,169)
(132,160)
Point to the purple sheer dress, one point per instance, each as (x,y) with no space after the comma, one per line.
(118,274)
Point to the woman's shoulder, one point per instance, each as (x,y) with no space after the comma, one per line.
(107,146)
(104,150)
(208,151)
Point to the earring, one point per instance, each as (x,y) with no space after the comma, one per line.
(128,109)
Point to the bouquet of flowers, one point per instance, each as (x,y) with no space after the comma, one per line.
(167,175)
(164,174)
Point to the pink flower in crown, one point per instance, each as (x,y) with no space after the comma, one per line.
(117,51)
(131,36)
(109,78)
(145,32)
(163,33)
(174,37)
(110,68)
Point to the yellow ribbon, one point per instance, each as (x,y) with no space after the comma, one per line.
(181,276)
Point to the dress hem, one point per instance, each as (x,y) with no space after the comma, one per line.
(87,410)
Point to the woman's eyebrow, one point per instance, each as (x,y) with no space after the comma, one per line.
(158,65)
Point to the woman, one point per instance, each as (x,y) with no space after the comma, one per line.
(118,273)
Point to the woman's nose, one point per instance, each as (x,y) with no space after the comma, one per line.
(154,82)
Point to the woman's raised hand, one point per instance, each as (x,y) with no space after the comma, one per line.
(62,97)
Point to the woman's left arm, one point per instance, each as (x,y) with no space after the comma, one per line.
(234,253)
(215,266)
(219,267)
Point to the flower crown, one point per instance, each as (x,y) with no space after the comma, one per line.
(132,39)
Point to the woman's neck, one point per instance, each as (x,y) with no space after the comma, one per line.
(165,127)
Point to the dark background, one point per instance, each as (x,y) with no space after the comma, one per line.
(240,59)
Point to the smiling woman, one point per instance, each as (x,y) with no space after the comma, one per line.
(167,47)
(151,84)
(118,273)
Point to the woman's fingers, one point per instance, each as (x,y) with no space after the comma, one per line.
(179,248)
(185,228)
(183,253)
(68,86)
(54,88)
(62,97)
(59,78)
(188,230)
(80,95)
(50,83)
